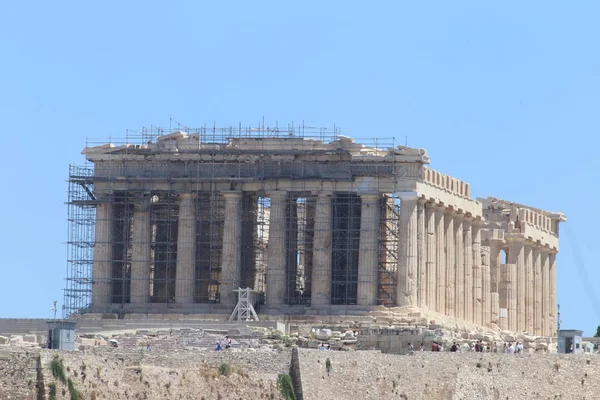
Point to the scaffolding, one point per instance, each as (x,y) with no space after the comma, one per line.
(118,200)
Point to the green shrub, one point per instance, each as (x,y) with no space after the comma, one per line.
(284,384)
(73,392)
(225,369)
(58,370)
(52,391)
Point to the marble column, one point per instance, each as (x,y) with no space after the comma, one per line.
(440,260)
(186,249)
(468,269)
(407,249)
(368,249)
(430,256)
(421,256)
(486,293)
(529,293)
(102,268)
(477,299)
(545,279)
(516,256)
(231,259)
(495,261)
(321,273)
(537,291)
(459,268)
(140,252)
(552,289)
(508,296)
(276,250)
(450,263)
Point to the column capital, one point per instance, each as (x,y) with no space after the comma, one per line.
(277,194)
(366,197)
(187,196)
(231,193)
(408,196)
(324,193)
(421,201)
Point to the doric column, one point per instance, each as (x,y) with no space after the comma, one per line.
(368,250)
(407,249)
(552,289)
(529,295)
(459,267)
(537,291)
(516,256)
(421,255)
(186,249)
(477,299)
(468,269)
(508,298)
(140,251)
(321,273)
(545,279)
(495,250)
(276,250)
(486,293)
(102,268)
(440,260)
(231,259)
(430,243)
(450,263)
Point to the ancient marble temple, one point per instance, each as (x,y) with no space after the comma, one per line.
(315,227)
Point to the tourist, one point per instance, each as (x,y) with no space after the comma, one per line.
(434,346)
(218,348)
(511,349)
(422,347)
(477,347)
(454,348)
(227,342)
(411,348)
(519,348)
(440,348)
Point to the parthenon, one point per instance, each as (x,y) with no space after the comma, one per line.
(316,225)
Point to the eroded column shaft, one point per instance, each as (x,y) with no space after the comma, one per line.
(459,268)
(477,299)
(450,263)
(421,256)
(368,250)
(545,261)
(431,247)
(231,259)
(529,294)
(321,275)
(407,262)
(140,252)
(468,270)
(102,268)
(516,256)
(186,250)
(537,292)
(440,260)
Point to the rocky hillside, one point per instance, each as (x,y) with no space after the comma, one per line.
(114,373)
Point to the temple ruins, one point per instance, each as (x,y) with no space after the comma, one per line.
(314,222)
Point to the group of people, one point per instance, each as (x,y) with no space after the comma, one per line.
(227,344)
(510,349)
(477,347)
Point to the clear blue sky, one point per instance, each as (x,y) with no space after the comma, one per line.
(505,96)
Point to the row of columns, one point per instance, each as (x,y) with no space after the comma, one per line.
(441,268)
(440,263)
(527,287)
